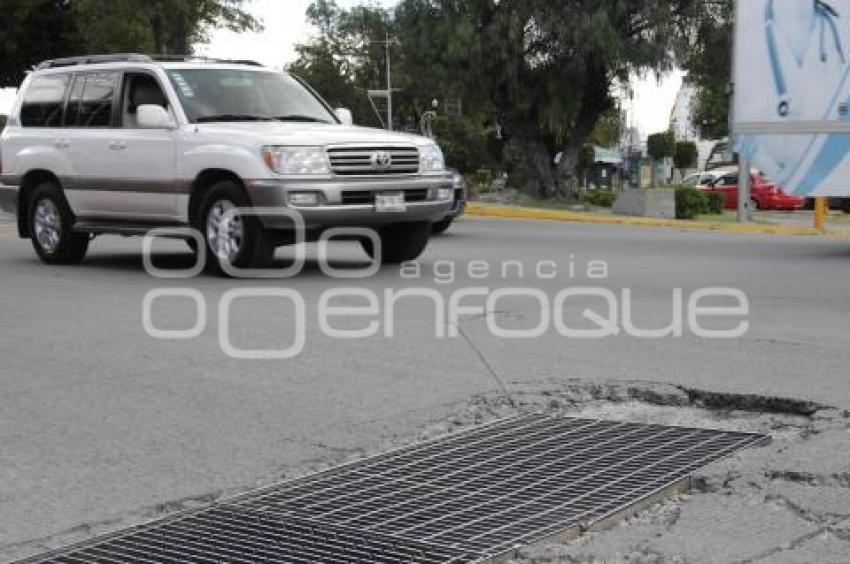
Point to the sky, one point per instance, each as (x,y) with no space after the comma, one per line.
(285,26)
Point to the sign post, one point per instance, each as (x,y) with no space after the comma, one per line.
(791,96)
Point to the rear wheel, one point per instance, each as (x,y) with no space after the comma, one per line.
(400,243)
(232,237)
(51,227)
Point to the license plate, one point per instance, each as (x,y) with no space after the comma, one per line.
(392,202)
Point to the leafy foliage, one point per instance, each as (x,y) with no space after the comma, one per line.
(586,158)
(661,145)
(30,32)
(601,198)
(541,72)
(465,143)
(709,64)
(691,202)
(686,155)
(35,30)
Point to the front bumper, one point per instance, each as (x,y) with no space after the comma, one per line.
(334,212)
(783,203)
(9,199)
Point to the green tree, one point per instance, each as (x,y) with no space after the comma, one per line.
(32,31)
(585,161)
(541,73)
(660,146)
(709,66)
(608,129)
(341,61)
(686,155)
(165,27)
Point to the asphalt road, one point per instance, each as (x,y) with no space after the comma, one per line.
(99,421)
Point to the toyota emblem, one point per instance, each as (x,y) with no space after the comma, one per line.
(381,160)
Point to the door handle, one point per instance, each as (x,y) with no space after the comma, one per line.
(117,145)
(62,143)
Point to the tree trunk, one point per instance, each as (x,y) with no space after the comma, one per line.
(596,100)
(530,164)
(158,33)
(181,34)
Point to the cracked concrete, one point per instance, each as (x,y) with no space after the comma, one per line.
(788,501)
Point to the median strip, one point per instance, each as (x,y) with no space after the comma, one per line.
(519,212)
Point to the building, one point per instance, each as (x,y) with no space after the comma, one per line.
(682,122)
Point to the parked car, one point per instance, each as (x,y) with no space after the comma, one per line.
(121,144)
(765,195)
(458,206)
(701,180)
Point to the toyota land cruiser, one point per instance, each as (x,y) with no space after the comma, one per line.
(121,144)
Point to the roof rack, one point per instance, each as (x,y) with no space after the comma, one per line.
(94,59)
(136,58)
(190,58)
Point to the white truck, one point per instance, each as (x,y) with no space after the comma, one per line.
(122,144)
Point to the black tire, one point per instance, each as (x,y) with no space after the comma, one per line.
(65,247)
(400,243)
(255,250)
(442,226)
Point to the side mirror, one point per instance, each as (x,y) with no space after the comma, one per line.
(345,116)
(151,116)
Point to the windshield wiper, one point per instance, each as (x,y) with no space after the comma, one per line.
(233,117)
(302,118)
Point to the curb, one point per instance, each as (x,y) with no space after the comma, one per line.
(518,212)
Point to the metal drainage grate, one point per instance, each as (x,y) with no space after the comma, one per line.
(464,498)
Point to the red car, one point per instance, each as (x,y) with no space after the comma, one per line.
(765,195)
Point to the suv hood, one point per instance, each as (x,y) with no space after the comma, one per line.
(293,133)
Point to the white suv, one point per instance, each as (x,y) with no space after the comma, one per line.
(123,144)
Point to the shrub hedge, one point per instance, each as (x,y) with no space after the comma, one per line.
(691,202)
(601,198)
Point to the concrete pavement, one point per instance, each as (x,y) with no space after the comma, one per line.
(101,425)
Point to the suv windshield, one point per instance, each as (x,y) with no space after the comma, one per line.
(210,95)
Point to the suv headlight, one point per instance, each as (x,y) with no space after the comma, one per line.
(296,160)
(431,159)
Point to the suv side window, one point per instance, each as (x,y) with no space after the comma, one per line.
(44,101)
(92,100)
(139,90)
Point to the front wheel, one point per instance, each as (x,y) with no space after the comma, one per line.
(51,227)
(232,237)
(400,243)
(755,205)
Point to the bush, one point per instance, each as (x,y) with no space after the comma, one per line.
(483,180)
(686,155)
(465,143)
(601,198)
(715,202)
(690,203)
(661,145)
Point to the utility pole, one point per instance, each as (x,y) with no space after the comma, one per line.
(389,87)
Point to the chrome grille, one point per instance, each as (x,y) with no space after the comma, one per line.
(367,197)
(365,161)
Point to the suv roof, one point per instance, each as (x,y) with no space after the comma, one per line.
(136,58)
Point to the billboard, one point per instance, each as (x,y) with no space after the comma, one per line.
(792,92)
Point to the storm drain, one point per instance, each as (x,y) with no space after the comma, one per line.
(469,497)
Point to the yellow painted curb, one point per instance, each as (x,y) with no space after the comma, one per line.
(518,212)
